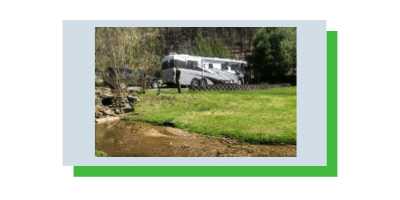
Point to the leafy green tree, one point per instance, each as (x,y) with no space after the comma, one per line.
(216,49)
(202,48)
(219,49)
(274,50)
(289,47)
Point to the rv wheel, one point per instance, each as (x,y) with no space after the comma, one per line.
(195,82)
(203,81)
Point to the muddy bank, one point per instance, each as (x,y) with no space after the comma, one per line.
(140,139)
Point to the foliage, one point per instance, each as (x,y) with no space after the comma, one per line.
(259,116)
(274,48)
(238,40)
(134,48)
(216,49)
(202,47)
(97,82)
(113,49)
(100,153)
(148,53)
(144,47)
(219,49)
(289,47)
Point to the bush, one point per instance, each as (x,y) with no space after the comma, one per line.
(100,153)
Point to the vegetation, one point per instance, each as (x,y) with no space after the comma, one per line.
(238,40)
(130,47)
(258,116)
(271,50)
(216,49)
(100,153)
(147,53)
(274,50)
(113,49)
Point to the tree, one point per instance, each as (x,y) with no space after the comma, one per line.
(148,53)
(134,48)
(202,48)
(216,49)
(289,48)
(113,51)
(274,50)
(219,49)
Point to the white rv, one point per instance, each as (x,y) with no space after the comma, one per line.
(197,70)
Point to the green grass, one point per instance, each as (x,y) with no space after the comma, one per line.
(100,153)
(258,116)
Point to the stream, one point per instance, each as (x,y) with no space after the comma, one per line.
(141,139)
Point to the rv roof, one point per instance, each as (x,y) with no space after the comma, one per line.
(199,58)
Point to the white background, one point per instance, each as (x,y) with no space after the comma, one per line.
(31,99)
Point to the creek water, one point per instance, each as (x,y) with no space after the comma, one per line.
(141,139)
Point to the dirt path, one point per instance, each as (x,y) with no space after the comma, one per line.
(140,139)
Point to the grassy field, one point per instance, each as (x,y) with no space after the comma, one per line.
(258,116)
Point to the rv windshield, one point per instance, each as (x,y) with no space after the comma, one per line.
(165,65)
(168,64)
(235,66)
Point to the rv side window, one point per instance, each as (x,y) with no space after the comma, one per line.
(217,65)
(184,64)
(234,67)
(210,66)
(180,64)
(224,66)
(189,65)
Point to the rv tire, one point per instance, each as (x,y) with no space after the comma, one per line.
(203,81)
(195,82)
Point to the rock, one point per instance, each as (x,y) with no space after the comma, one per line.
(109,104)
(127,108)
(98,114)
(133,93)
(133,99)
(108,111)
(107,120)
